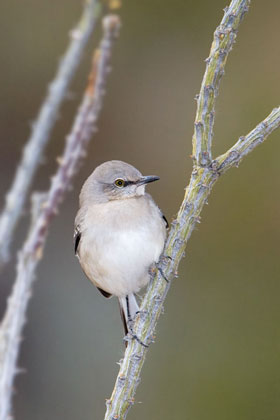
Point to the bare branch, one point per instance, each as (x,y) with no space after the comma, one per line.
(224,38)
(200,186)
(29,256)
(246,144)
(42,127)
(204,175)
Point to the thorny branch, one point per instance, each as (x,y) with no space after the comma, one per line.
(83,127)
(200,186)
(224,38)
(42,127)
(204,175)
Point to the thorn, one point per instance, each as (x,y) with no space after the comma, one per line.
(115,4)
(39,253)
(121,377)
(137,356)
(76,34)
(131,401)
(20,370)
(112,23)
(158,298)
(59,160)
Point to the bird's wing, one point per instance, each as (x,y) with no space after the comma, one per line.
(77,238)
(128,308)
(105,294)
(165,220)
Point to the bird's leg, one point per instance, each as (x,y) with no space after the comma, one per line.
(156,267)
(162,273)
(135,337)
(130,323)
(163,260)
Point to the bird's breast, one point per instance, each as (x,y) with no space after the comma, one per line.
(118,247)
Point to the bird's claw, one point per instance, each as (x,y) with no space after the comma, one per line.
(131,334)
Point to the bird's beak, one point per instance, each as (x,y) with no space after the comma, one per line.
(147,179)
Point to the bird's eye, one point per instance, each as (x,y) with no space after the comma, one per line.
(119,183)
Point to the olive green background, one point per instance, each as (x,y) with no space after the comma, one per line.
(216,355)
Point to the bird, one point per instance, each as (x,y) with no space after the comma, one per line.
(119,233)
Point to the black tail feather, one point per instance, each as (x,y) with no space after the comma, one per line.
(123,320)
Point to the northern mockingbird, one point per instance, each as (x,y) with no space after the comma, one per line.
(119,233)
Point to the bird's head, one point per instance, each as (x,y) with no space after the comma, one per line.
(115,180)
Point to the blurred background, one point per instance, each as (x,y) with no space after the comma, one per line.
(216,354)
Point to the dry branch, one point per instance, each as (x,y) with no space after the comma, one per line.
(204,175)
(29,256)
(224,38)
(200,186)
(42,127)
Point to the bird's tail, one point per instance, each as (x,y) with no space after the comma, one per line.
(128,307)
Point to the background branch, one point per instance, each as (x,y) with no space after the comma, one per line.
(31,253)
(42,127)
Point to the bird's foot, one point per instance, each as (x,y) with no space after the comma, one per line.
(131,333)
(162,273)
(157,266)
(163,261)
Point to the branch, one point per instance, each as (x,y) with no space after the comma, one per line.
(46,119)
(204,176)
(224,38)
(246,144)
(200,186)
(31,253)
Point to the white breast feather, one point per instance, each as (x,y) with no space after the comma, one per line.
(117,258)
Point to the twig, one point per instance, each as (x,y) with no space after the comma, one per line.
(42,127)
(203,178)
(224,38)
(246,144)
(29,256)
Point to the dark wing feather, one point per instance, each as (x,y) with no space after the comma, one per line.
(77,238)
(166,221)
(106,294)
